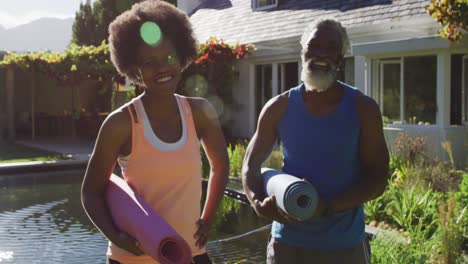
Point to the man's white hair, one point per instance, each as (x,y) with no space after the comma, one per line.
(329,23)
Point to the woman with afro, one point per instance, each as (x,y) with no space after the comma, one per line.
(156,137)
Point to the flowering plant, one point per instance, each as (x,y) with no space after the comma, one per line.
(452,15)
(215,50)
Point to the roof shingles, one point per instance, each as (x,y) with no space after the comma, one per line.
(234,20)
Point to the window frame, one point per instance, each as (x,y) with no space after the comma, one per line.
(377,94)
(464,91)
(277,70)
(381,84)
(256,7)
(353,58)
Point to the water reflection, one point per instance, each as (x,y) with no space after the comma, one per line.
(45,223)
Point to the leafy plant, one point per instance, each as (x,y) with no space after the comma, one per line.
(437,175)
(390,249)
(385,121)
(213,73)
(205,164)
(215,51)
(236,155)
(410,149)
(275,161)
(447,146)
(130,93)
(450,232)
(376,209)
(414,210)
(451,14)
(77,63)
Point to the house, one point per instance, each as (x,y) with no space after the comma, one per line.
(419,79)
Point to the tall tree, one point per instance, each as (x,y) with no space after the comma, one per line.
(85,26)
(105,11)
(92,23)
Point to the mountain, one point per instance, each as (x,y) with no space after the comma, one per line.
(52,34)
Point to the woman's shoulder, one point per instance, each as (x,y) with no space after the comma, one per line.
(119,120)
(201,107)
(196,101)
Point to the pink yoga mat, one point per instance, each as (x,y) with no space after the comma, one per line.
(134,216)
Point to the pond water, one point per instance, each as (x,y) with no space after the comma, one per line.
(42,221)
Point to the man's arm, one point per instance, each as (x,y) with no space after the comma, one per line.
(373,156)
(258,150)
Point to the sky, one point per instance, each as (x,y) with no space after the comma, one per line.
(18,12)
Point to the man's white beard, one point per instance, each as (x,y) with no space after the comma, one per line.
(317,80)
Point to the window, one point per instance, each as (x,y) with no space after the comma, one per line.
(347,74)
(459,89)
(465,89)
(263,76)
(264,4)
(420,89)
(407,89)
(390,89)
(286,77)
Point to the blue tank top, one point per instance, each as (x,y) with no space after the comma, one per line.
(324,151)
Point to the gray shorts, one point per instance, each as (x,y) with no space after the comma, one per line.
(281,253)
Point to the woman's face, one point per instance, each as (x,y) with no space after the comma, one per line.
(159,67)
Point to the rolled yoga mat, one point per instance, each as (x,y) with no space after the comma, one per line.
(297,197)
(134,216)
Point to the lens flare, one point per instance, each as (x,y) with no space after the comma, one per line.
(151,33)
(196,85)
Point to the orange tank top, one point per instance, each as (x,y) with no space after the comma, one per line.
(166,175)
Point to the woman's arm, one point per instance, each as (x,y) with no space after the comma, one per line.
(210,133)
(113,134)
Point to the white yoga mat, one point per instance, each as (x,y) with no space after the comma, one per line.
(296,197)
(134,216)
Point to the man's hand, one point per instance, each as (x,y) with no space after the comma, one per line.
(268,209)
(124,241)
(201,235)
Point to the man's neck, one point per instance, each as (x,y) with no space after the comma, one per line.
(328,96)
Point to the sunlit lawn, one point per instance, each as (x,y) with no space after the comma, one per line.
(10,152)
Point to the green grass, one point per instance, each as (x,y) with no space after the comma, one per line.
(10,152)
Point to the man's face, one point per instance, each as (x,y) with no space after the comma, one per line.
(321,59)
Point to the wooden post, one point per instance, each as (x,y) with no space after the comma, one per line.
(73,112)
(10,103)
(33,104)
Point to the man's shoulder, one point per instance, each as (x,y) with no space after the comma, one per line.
(277,104)
(367,108)
(366,103)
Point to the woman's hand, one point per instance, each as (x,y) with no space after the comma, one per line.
(125,241)
(201,236)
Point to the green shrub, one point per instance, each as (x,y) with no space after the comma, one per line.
(275,161)
(130,93)
(414,210)
(389,249)
(205,166)
(450,234)
(437,175)
(377,209)
(236,155)
(410,149)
